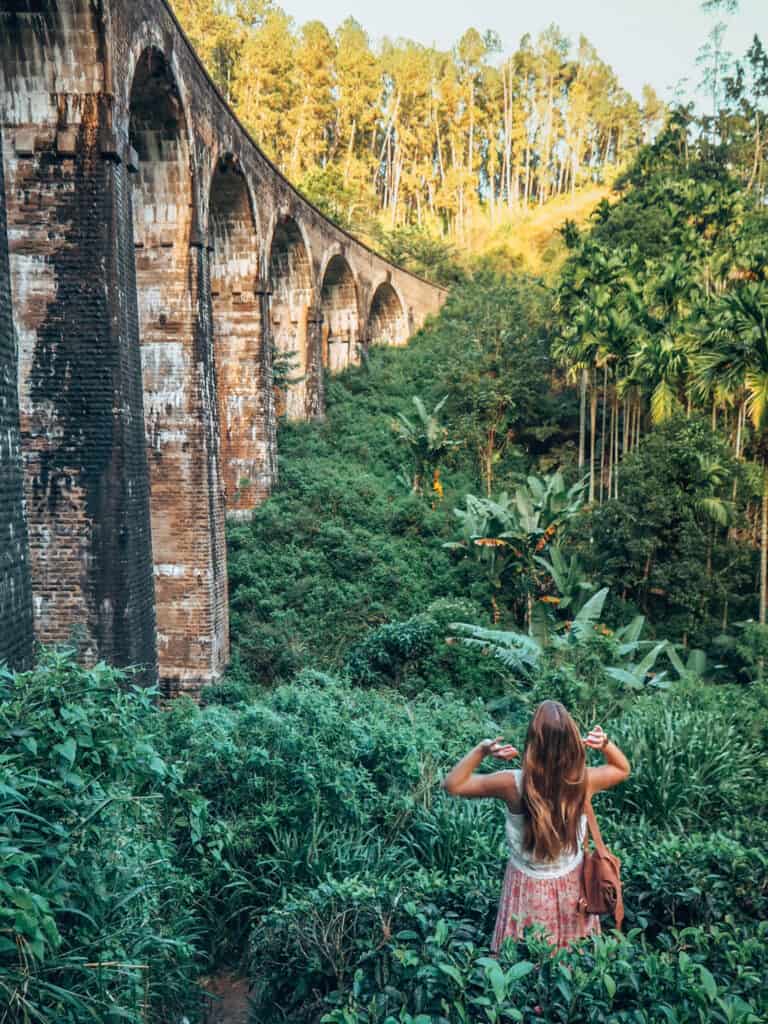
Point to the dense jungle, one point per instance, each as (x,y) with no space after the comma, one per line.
(557,489)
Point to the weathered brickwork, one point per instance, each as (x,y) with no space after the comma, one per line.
(157,259)
(340,315)
(15,587)
(79,389)
(246,408)
(388,321)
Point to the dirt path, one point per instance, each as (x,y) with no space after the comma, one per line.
(231,1003)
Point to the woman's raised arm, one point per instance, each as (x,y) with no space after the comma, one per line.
(461,780)
(616,768)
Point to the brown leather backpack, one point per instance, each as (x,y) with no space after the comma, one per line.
(601,879)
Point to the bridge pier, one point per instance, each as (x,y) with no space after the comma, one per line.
(173,286)
(15,586)
(79,382)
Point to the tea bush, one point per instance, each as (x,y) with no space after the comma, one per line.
(310,944)
(419,947)
(436,970)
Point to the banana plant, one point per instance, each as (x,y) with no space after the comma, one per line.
(427,439)
(570,580)
(511,531)
(523,652)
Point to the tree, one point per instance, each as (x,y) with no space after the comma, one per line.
(428,442)
(265,87)
(313,115)
(509,533)
(739,355)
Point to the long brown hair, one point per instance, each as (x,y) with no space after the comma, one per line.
(554,783)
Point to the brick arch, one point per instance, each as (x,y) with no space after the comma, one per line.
(387,317)
(179,399)
(340,307)
(244,400)
(293,319)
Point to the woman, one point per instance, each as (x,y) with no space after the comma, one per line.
(546,824)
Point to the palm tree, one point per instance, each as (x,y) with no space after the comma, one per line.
(596,302)
(737,357)
(660,365)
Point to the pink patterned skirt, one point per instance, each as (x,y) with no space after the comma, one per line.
(550,902)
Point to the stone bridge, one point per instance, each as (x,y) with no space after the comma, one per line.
(158,278)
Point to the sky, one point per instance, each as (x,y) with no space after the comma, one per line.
(654,41)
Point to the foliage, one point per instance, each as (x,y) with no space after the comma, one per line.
(657,545)
(307,779)
(685,772)
(436,969)
(427,440)
(422,252)
(428,141)
(403,949)
(506,536)
(339,548)
(97,918)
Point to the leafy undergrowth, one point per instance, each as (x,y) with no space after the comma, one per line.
(344,545)
(302,830)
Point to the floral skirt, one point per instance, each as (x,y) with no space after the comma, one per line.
(550,902)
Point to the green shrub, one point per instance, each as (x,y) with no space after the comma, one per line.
(314,778)
(96,919)
(384,655)
(675,880)
(435,970)
(418,946)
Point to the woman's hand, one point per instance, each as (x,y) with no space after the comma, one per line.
(498,748)
(597,738)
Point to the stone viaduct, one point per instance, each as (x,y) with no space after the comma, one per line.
(152,265)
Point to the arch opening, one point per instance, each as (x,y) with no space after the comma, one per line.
(341,319)
(182,450)
(387,322)
(241,377)
(290,278)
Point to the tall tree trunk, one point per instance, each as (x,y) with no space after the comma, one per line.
(603,448)
(610,450)
(592,432)
(582,417)
(764,550)
(617,409)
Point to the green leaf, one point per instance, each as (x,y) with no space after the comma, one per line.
(498,982)
(519,970)
(452,972)
(708,982)
(66,750)
(610,985)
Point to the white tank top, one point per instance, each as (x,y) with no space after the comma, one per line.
(524,861)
